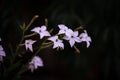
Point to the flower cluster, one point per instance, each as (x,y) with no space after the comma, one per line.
(68,34)
(56,41)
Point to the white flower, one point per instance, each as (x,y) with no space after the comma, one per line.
(72,37)
(2,53)
(57,42)
(42,31)
(35,63)
(63,29)
(0,39)
(28,44)
(84,37)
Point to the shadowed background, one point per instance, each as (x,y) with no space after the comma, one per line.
(101,61)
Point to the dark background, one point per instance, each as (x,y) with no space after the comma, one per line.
(101,61)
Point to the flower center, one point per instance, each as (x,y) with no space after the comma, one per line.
(56,40)
(39,30)
(72,36)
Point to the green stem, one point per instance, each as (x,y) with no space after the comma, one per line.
(47,43)
(20,43)
(30,35)
(33,19)
(81,27)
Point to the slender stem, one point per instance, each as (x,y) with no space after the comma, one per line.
(30,35)
(20,43)
(46,22)
(77,50)
(32,20)
(80,27)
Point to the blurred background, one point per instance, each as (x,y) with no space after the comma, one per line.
(101,18)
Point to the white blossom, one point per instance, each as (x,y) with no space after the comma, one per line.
(42,31)
(2,53)
(57,42)
(72,36)
(35,63)
(84,37)
(28,44)
(62,28)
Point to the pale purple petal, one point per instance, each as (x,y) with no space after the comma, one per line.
(77,39)
(76,33)
(2,53)
(61,32)
(53,38)
(62,26)
(35,63)
(44,33)
(55,45)
(1,48)
(36,29)
(61,45)
(69,32)
(66,38)
(88,43)
(31,48)
(72,42)
(43,28)
(28,44)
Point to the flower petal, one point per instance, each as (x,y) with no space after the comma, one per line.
(53,38)
(75,33)
(77,39)
(62,27)
(36,29)
(43,28)
(72,42)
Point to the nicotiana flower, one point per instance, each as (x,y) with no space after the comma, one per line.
(28,44)
(62,28)
(42,31)
(57,42)
(72,36)
(35,63)
(84,37)
(2,53)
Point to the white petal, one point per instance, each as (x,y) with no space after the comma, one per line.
(89,39)
(38,61)
(28,44)
(47,33)
(69,32)
(77,39)
(61,32)
(1,48)
(31,67)
(72,42)
(88,44)
(76,33)
(66,37)
(53,38)
(61,45)
(43,28)
(36,29)
(30,47)
(2,53)
(41,35)
(62,26)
